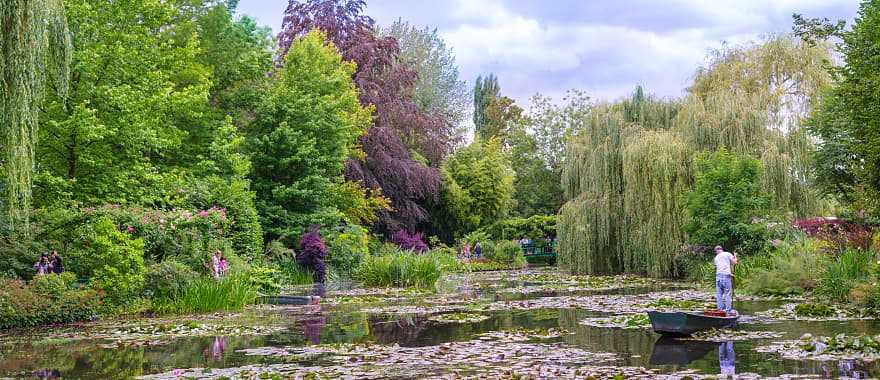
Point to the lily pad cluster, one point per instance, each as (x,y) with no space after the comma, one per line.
(727,335)
(141,335)
(459,318)
(627,321)
(823,348)
(523,335)
(815,312)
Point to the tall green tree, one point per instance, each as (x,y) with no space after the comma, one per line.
(438,89)
(848,122)
(34,42)
(486,90)
(136,114)
(725,198)
(306,129)
(477,187)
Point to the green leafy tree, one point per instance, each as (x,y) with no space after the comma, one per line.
(35,41)
(477,187)
(486,90)
(848,121)
(438,89)
(136,114)
(306,129)
(724,201)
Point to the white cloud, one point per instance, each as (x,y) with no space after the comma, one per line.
(600,46)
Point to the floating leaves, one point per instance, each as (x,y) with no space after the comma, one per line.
(459,318)
(627,321)
(823,348)
(823,313)
(726,335)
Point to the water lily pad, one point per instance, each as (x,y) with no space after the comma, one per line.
(459,318)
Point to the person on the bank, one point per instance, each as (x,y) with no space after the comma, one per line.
(44,266)
(724,262)
(57,262)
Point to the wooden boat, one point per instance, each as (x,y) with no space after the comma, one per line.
(685,323)
(289,300)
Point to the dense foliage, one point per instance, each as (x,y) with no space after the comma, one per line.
(477,187)
(306,129)
(726,197)
(630,164)
(399,128)
(35,44)
(847,158)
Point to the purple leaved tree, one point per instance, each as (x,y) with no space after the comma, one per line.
(410,241)
(399,126)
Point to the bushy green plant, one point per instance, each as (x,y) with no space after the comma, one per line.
(167,280)
(291,273)
(264,279)
(845,272)
(509,253)
(399,269)
(793,268)
(725,199)
(346,249)
(205,295)
(46,300)
(113,260)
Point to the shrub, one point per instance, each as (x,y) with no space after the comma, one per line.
(725,199)
(794,267)
(206,295)
(865,295)
(46,300)
(263,279)
(312,253)
(509,253)
(168,280)
(401,269)
(845,272)
(346,249)
(840,234)
(291,273)
(112,259)
(409,241)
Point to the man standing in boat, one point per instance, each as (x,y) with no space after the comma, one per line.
(724,262)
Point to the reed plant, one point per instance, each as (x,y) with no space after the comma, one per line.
(206,295)
(401,269)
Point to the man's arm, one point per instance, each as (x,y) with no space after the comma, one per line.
(733,258)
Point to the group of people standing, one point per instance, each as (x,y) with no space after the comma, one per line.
(477,252)
(49,263)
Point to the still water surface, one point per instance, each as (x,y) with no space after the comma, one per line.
(39,354)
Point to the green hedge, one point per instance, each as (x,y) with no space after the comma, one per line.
(45,300)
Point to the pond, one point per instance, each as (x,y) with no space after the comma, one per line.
(515,324)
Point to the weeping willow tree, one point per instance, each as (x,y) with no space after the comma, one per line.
(628,169)
(35,41)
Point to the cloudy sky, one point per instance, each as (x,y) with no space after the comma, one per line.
(604,47)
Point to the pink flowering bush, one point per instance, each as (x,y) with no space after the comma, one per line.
(187,236)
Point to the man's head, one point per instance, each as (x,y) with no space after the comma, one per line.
(718,249)
(54,253)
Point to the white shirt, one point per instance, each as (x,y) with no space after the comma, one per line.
(723,262)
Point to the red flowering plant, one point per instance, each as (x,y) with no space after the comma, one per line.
(840,234)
